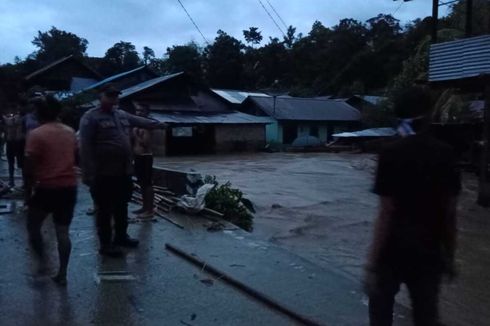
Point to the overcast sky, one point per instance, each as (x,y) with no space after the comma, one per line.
(163,23)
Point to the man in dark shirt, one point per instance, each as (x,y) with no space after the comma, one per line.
(415,233)
(107,166)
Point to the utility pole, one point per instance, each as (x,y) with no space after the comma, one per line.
(435,19)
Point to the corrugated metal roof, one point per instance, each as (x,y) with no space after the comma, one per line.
(374,132)
(460,59)
(57,62)
(147,84)
(113,78)
(236,97)
(307,109)
(218,118)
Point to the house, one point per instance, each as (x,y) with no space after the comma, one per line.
(294,117)
(69,74)
(201,122)
(464,64)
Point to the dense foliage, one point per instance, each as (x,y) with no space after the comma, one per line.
(230,202)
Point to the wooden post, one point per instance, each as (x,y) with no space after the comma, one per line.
(435,19)
(484,187)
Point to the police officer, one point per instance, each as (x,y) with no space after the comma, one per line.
(106,157)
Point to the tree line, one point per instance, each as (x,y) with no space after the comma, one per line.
(351,57)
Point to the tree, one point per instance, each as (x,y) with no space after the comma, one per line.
(56,44)
(122,56)
(224,62)
(413,69)
(273,64)
(457,18)
(381,60)
(383,29)
(148,55)
(290,37)
(184,58)
(308,60)
(336,55)
(252,36)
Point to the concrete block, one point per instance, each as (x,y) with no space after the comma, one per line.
(179,182)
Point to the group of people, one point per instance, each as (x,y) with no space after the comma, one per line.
(15,125)
(108,139)
(417,181)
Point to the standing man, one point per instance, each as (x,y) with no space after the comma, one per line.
(50,180)
(415,232)
(14,137)
(107,166)
(143,164)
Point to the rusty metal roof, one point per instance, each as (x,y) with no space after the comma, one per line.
(460,59)
(306,109)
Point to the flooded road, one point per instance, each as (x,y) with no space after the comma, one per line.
(320,207)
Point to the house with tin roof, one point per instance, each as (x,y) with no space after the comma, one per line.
(465,65)
(201,121)
(295,117)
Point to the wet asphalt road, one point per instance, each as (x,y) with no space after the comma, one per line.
(313,224)
(157,287)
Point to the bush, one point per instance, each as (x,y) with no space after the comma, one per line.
(231,203)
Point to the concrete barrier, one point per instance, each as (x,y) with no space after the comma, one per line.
(179,182)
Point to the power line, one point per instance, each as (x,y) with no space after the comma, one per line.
(193,22)
(272,18)
(277,14)
(401,4)
(447,3)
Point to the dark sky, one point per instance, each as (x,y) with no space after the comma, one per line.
(163,23)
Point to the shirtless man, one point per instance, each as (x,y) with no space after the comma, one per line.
(143,164)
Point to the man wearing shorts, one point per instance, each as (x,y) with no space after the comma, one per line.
(143,164)
(51,181)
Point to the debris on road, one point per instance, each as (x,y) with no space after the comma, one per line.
(167,201)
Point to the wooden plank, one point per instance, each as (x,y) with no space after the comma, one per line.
(213,212)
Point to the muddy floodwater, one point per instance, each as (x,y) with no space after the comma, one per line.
(320,207)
